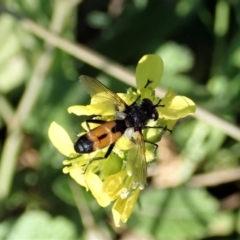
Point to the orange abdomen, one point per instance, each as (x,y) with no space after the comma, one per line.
(100,137)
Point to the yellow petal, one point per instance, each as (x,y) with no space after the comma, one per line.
(124,143)
(113,184)
(155,134)
(93,109)
(112,165)
(122,208)
(176,107)
(150,67)
(150,155)
(116,217)
(95,185)
(60,139)
(77,174)
(171,124)
(128,98)
(147,93)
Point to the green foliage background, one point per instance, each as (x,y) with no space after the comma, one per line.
(199,42)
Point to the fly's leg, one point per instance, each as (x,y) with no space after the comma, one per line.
(154,144)
(110,148)
(93,121)
(160,127)
(157,127)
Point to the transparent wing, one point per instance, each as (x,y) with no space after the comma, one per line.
(93,87)
(136,161)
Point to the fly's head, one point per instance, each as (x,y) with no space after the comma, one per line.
(150,109)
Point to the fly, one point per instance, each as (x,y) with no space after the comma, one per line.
(130,121)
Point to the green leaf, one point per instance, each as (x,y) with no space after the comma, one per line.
(174,214)
(13,65)
(4,229)
(176,58)
(223,224)
(40,225)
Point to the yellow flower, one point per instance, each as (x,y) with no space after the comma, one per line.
(176,107)
(119,188)
(61,139)
(95,185)
(115,184)
(150,67)
(123,207)
(122,176)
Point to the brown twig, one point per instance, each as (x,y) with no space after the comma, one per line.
(215,178)
(98,61)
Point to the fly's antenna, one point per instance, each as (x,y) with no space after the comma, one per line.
(158,104)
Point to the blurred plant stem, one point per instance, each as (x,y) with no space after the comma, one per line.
(221,27)
(215,178)
(13,143)
(93,230)
(104,64)
(6,110)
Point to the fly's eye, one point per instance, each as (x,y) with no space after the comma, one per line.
(154,116)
